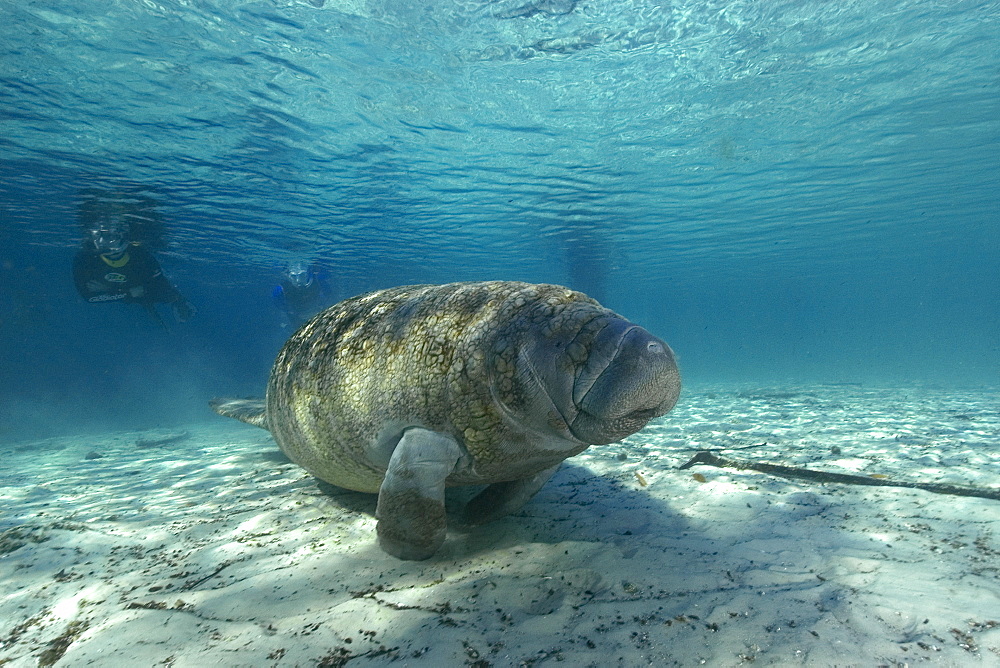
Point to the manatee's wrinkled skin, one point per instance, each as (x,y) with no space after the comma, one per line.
(408,390)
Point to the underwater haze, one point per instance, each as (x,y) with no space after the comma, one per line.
(786,191)
(800,197)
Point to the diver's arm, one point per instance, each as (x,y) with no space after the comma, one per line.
(159,289)
(80,276)
(164,291)
(281,303)
(278,297)
(153,288)
(149,285)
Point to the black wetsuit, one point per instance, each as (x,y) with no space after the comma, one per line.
(135,278)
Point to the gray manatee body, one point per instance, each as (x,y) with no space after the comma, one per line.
(409,390)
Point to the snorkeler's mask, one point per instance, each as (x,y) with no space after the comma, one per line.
(299,275)
(109,238)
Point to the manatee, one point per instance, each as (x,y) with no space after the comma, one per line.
(406,391)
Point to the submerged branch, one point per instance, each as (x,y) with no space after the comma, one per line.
(709,459)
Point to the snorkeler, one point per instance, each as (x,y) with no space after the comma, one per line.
(110,268)
(302,293)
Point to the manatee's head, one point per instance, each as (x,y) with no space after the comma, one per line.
(628,378)
(595,378)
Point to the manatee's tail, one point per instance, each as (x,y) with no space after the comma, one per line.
(250,411)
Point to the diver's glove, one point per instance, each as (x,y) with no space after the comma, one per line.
(184,310)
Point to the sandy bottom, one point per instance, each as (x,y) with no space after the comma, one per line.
(214,550)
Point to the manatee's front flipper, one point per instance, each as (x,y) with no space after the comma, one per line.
(251,411)
(504,498)
(410,512)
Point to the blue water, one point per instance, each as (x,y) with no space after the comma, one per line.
(786,191)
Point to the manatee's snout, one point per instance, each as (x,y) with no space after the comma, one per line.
(629,378)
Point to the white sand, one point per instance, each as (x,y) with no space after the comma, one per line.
(212,551)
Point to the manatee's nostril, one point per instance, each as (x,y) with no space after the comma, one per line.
(654,347)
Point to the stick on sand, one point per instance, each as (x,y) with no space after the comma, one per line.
(709,459)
